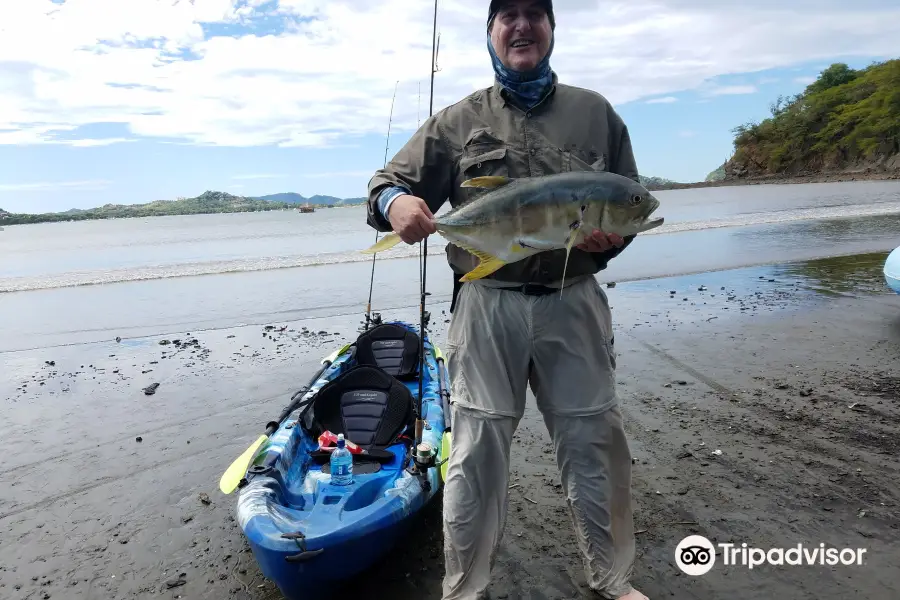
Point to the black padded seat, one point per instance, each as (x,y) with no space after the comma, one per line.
(369,406)
(392,348)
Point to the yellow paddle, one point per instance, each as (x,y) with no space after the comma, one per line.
(446,442)
(233,475)
(447,438)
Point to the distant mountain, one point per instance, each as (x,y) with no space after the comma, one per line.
(332,201)
(208,202)
(287,197)
(657,183)
(317,200)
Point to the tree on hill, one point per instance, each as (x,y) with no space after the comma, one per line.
(844,118)
(835,75)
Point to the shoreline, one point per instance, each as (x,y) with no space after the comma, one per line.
(762,366)
(868,174)
(54,216)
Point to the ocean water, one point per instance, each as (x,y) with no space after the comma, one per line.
(69,282)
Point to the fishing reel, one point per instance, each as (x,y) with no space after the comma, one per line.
(424,456)
(423,459)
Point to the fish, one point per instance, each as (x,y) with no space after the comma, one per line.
(519,217)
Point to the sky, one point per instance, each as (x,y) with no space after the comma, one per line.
(107,101)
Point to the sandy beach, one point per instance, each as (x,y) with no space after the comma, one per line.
(789,370)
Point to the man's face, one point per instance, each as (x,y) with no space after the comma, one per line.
(521,34)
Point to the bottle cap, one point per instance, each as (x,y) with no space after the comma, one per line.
(340,440)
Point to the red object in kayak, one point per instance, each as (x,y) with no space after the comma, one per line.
(328,442)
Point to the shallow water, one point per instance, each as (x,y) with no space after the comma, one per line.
(53,255)
(164,274)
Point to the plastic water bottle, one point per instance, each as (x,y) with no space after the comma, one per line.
(341,463)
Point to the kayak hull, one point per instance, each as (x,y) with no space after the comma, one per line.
(309,536)
(892,270)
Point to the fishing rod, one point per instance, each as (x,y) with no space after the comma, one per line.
(423,250)
(386,145)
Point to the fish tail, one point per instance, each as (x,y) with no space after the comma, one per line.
(385,243)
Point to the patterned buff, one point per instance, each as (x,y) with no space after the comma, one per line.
(529,87)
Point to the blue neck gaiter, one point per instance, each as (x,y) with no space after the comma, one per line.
(528,87)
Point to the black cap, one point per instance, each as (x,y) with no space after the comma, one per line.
(497,4)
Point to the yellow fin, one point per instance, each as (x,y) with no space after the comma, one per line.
(488,265)
(488,181)
(385,243)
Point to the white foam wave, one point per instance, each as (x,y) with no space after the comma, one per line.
(785,216)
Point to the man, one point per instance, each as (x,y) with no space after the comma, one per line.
(510,329)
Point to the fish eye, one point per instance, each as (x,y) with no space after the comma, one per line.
(636,199)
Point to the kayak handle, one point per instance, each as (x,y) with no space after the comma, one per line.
(304,556)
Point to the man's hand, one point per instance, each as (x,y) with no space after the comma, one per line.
(599,241)
(411,218)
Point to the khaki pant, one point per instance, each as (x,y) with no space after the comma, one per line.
(498,342)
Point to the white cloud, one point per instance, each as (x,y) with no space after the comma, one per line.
(329,80)
(804,80)
(52,186)
(732,90)
(663,100)
(687,133)
(90,142)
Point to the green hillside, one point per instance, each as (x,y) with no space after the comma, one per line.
(206,203)
(717,175)
(846,119)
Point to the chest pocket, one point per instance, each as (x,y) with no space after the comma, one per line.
(479,161)
(578,159)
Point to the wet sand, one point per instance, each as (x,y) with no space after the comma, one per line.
(789,370)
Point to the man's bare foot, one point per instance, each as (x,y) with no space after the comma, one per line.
(633,595)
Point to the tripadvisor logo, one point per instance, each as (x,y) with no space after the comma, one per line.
(695,555)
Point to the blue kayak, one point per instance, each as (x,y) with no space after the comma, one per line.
(892,270)
(308,535)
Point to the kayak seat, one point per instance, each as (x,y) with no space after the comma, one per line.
(369,406)
(390,347)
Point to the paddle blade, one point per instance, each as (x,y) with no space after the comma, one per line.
(334,355)
(446,443)
(232,477)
